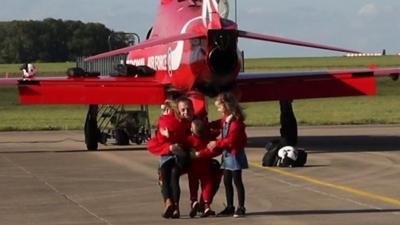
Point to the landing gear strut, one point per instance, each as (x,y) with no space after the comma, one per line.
(113,121)
(288,124)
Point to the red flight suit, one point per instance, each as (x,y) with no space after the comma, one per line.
(178,131)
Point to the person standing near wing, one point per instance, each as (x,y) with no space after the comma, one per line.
(28,70)
(200,170)
(232,144)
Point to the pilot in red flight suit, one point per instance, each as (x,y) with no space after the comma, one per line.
(164,144)
(172,130)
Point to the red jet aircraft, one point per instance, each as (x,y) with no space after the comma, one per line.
(192,50)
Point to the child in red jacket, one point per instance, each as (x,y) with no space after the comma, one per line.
(200,169)
(232,144)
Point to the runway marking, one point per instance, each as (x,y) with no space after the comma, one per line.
(351,190)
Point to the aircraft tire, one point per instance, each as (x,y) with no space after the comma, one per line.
(138,141)
(121,137)
(91,132)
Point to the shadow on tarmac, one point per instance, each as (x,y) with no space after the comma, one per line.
(320,212)
(140,148)
(41,141)
(321,144)
(312,144)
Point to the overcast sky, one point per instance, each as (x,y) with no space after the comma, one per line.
(363,25)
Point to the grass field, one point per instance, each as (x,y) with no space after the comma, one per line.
(381,109)
(43,68)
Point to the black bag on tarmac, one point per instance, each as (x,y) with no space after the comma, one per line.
(271,156)
(301,158)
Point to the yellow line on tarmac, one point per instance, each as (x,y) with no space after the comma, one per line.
(331,185)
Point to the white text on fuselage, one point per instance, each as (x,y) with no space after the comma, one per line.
(158,62)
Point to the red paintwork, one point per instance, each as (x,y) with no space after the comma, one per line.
(199,103)
(181,20)
(89,90)
(323,86)
(179,49)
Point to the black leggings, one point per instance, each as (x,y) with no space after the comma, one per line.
(236,176)
(170,174)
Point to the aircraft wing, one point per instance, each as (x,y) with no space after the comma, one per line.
(146,44)
(97,90)
(90,90)
(312,84)
(9,81)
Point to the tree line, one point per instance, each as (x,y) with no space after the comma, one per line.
(52,40)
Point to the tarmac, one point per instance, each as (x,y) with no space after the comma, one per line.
(351,177)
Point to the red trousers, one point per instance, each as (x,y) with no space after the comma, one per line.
(200,173)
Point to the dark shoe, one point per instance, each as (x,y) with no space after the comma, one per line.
(228,211)
(240,212)
(168,209)
(176,214)
(201,207)
(194,208)
(208,212)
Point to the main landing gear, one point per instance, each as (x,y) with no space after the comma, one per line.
(288,120)
(92,132)
(114,121)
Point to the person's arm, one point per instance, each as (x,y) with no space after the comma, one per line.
(159,145)
(236,138)
(216,124)
(208,153)
(214,128)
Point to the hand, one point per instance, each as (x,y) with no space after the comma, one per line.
(211,145)
(164,132)
(177,150)
(193,154)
